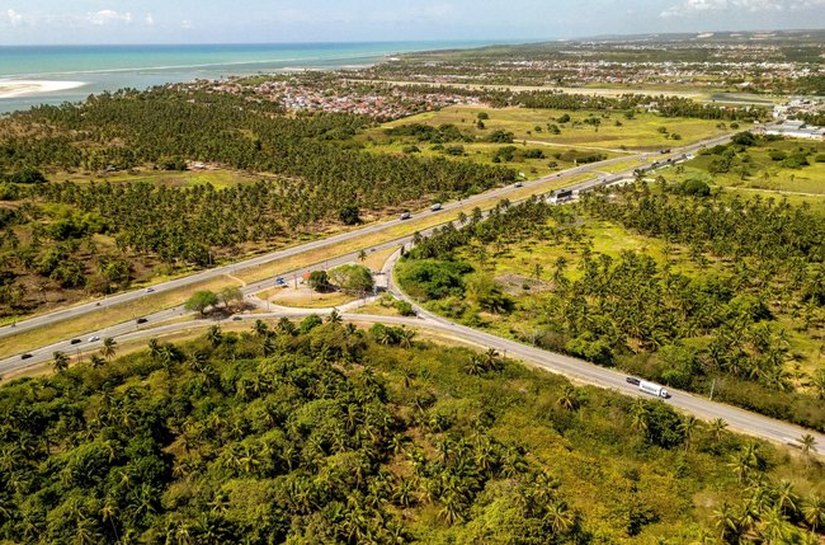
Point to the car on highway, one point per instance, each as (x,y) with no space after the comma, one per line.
(633,380)
(519,184)
(94,339)
(26,356)
(150,290)
(436,207)
(237,318)
(75,341)
(142,320)
(405,216)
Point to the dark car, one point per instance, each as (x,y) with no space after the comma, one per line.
(142,320)
(26,356)
(75,341)
(237,318)
(632,380)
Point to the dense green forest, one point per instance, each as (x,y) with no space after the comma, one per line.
(735,312)
(321,433)
(99,237)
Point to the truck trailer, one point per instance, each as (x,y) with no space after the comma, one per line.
(653,389)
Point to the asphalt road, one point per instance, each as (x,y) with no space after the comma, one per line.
(209,274)
(86,343)
(579,370)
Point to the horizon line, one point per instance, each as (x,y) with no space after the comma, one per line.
(493,41)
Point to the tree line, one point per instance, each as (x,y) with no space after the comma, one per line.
(723,327)
(318,432)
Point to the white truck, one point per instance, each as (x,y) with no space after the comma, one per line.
(653,389)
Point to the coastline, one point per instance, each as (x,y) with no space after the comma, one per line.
(23,88)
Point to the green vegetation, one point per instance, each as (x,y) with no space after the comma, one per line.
(570,124)
(76,239)
(765,162)
(698,67)
(685,290)
(319,433)
(352,279)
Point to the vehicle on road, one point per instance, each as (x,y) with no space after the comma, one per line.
(405,216)
(26,356)
(75,341)
(280,282)
(94,339)
(653,389)
(237,318)
(519,184)
(150,290)
(436,207)
(142,320)
(633,380)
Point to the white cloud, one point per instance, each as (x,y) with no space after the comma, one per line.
(15,18)
(108,16)
(694,7)
(149,20)
(186,24)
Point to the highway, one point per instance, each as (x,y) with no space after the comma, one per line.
(577,370)
(581,371)
(42,354)
(56,316)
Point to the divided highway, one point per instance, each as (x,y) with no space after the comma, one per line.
(579,370)
(217,272)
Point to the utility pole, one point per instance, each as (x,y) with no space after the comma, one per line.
(712,387)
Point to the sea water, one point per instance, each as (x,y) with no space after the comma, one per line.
(98,68)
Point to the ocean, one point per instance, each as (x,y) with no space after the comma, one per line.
(33,75)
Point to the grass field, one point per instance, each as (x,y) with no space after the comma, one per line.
(514,269)
(105,317)
(555,159)
(754,168)
(219,177)
(117,314)
(304,297)
(640,133)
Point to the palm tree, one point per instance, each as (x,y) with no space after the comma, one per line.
(808,443)
(214,336)
(334,317)
(569,400)
(727,524)
(405,337)
(154,349)
(688,426)
(285,326)
(560,518)
(260,328)
(813,510)
(773,528)
(717,428)
(492,360)
(60,361)
(786,499)
(268,346)
(109,348)
(476,366)
(96,361)
(638,415)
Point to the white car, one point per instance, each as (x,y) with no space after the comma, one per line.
(94,339)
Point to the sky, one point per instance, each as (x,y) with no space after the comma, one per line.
(275,21)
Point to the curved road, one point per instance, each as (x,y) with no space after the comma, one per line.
(739,419)
(209,274)
(578,370)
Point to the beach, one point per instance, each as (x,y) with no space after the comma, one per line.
(35,75)
(23,88)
